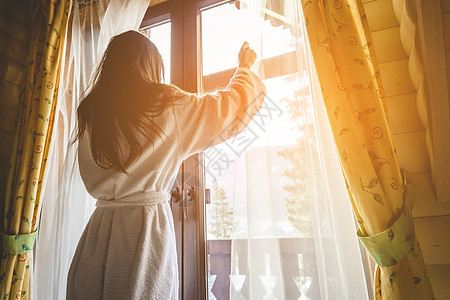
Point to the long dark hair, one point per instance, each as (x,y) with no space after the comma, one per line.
(125,94)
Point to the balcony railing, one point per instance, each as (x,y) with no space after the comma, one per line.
(298,266)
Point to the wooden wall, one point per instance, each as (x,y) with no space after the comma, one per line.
(14,37)
(439,248)
(434,227)
(431,218)
(445,9)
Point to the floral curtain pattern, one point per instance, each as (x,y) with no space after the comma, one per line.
(354,98)
(33,135)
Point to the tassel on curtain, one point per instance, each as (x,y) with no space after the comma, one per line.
(31,144)
(381,195)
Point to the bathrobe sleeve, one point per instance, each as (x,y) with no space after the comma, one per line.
(207,120)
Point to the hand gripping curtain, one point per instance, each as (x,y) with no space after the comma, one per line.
(381,195)
(31,144)
(68,206)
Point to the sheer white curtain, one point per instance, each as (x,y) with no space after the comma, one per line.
(293,232)
(66,204)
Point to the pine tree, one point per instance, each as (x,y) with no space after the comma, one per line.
(297,204)
(220,214)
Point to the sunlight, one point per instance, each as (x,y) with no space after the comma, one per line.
(223,42)
(160,36)
(273,130)
(251,168)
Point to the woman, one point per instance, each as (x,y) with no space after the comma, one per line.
(134,133)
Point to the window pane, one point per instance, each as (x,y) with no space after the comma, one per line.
(224,30)
(228,167)
(160,36)
(263,162)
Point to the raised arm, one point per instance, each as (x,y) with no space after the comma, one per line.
(204,121)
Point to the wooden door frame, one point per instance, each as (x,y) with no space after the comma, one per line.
(185,21)
(185,72)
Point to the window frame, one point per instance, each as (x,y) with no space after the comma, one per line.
(189,215)
(186,73)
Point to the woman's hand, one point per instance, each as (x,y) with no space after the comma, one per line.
(246,56)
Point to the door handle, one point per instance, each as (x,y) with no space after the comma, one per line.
(184,198)
(175,194)
(188,196)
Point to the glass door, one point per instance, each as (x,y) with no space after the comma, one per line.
(256,196)
(172,26)
(242,211)
(158,28)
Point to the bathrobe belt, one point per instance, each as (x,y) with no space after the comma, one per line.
(139,199)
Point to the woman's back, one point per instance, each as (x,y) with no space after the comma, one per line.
(128,250)
(191,124)
(151,171)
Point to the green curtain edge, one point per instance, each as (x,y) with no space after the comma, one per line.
(390,246)
(16,244)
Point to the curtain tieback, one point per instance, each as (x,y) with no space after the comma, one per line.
(18,243)
(390,246)
(140,199)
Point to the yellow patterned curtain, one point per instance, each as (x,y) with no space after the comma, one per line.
(31,144)
(353,94)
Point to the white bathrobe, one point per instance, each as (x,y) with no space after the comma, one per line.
(127,250)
